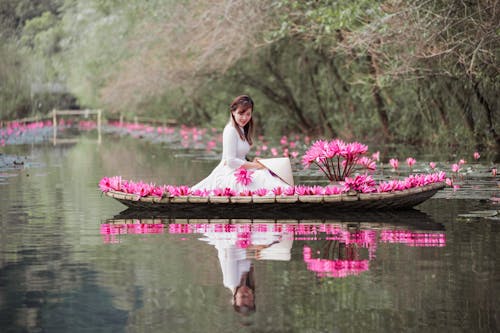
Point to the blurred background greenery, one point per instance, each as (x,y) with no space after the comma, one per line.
(416,72)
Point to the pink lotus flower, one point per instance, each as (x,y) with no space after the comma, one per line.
(261,192)
(295,154)
(177,191)
(201,193)
(360,183)
(284,140)
(332,190)
(410,161)
(367,163)
(243,176)
(461,162)
(432,165)
(494,172)
(104,184)
(158,191)
(223,192)
(455,167)
(274,151)
(335,158)
(476,155)
(278,191)
(245,193)
(289,191)
(376,156)
(301,190)
(394,163)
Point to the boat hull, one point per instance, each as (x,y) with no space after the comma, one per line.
(399,200)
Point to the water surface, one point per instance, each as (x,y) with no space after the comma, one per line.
(69,262)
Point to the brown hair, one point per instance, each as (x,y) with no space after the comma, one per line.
(247,279)
(241,104)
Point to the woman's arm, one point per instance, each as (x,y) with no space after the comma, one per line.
(229,146)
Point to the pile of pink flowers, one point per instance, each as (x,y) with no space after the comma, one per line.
(359,183)
(338,159)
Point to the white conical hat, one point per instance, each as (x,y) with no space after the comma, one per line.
(280,166)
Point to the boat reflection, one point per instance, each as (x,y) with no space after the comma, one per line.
(328,248)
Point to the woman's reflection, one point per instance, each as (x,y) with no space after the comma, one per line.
(236,251)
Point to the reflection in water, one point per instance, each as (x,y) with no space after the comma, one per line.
(334,250)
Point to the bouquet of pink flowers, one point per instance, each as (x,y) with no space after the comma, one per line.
(338,159)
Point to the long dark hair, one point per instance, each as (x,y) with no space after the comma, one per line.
(241,104)
(247,279)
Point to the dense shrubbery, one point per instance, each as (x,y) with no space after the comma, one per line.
(396,71)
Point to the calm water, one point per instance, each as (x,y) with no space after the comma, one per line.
(69,262)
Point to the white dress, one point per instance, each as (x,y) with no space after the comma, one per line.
(234,150)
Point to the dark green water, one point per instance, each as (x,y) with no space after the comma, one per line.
(68,263)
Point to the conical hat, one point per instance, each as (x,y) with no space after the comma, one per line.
(280,166)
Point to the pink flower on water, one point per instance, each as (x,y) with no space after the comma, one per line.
(367,163)
(410,161)
(376,156)
(494,172)
(295,154)
(476,155)
(455,167)
(274,151)
(394,163)
(284,140)
(461,162)
(432,165)
(243,176)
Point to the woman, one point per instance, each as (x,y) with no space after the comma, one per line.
(234,171)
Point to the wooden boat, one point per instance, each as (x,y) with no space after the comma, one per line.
(279,205)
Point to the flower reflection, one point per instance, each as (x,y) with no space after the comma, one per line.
(413,238)
(111,231)
(333,250)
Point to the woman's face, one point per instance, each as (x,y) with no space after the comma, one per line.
(242,117)
(244,297)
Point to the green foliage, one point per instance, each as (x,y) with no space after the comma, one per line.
(14,84)
(363,69)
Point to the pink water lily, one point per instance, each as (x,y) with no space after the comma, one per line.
(223,192)
(278,191)
(336,158)
(243,176)
(261,192)
(476,155)
(410,161)
(201,193)
(105,184)
(455,167)
(394,163)
(245,193)
(432,165)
